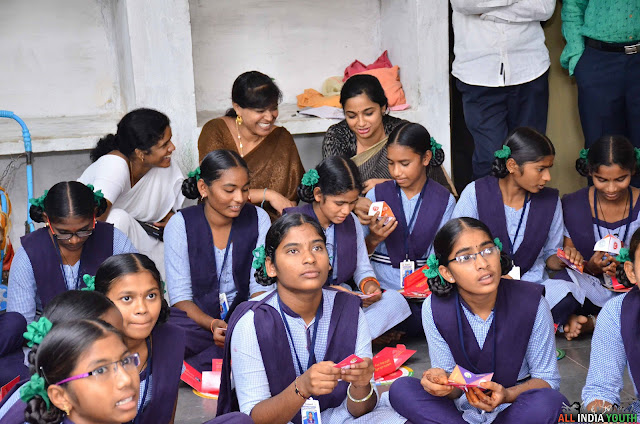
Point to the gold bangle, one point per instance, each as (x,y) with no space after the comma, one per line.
(364,399)
(298,392)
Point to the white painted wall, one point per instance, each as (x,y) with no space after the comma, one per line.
(57,58)
(300,43)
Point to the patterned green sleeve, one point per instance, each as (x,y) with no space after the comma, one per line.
(572,22)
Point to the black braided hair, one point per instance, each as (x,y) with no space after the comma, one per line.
(527,145)
(66,199)
(606,151)
(417,138)
(336,175)
(211,167)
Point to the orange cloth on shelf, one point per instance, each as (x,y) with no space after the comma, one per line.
(313,98)
(390,80)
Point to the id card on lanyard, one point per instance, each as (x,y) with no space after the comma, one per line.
(310,412)
(515,272)
(407,267)
(224,304)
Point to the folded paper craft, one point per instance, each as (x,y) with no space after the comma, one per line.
(610,244)
(389,359)
(465,379)
(563,258)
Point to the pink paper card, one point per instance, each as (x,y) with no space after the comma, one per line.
(349,360)
(465,379)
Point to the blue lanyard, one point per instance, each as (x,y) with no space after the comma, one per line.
(524,209)
(226,254)
(146,386)
(335,255)
(311,348)
(414,214)
(76,286)
(494,324)
(626,227)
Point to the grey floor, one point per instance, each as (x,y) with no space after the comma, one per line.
(573,370)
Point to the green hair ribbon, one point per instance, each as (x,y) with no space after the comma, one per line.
(584,153)
(637,152)
(260,257)
(503,153)
(90,282)
(435,145)
(164,285)
(195,173)
(433,271)
(498,243)
(623,256)
(97,194)
(310,178)
(37,330)
(34,387)
(39,202)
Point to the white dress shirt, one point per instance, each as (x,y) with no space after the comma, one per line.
(500,42)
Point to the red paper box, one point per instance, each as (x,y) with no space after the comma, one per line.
(389,359)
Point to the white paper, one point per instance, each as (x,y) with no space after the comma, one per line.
(610,244)
(327,112)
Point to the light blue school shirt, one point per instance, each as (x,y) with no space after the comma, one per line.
(389,276)
(363,266)
(467,206)
(539,359)
(178,270)
(22,290)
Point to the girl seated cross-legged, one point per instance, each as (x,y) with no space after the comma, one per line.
(208,253)
(331,191)
(485,324)
(281,351)
(420,205)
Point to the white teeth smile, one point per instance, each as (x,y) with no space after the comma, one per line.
(264,125)
(123,401)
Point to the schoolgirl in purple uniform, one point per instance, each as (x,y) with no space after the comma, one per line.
(485,324)
(331,191)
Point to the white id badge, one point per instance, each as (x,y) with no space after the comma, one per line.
(224,305)
(514,273)
(310,412)
(406,268)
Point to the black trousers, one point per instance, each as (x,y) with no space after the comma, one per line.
(491,113)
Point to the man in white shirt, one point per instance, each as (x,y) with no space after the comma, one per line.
(501,66)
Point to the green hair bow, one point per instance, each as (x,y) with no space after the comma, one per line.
(37,330)
(260,257)
(34,387)
(90,281)
(433,271)
(310,178)
(637,152)
(498,243)
(164,285)
(39,202)
(623,256)
(503,153)
(435,145)
(97,195)
(195,173)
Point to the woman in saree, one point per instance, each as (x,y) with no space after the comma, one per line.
(362,136)
(249,129)
(142,185)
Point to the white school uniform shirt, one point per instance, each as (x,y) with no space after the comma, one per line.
(495,35)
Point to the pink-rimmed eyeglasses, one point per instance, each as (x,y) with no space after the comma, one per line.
(105,372)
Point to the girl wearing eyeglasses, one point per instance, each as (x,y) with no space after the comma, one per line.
(68,306)
(132,282)
(522,212)
(485,324)
(53,259)
(420,205)
(85,374)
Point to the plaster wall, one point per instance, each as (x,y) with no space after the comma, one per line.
(58,58)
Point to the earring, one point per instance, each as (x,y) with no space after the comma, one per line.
(239,120)
(66,410)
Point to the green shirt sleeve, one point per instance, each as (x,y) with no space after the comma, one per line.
(572,22)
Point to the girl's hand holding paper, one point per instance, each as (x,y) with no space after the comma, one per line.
(435,382)
(490,400)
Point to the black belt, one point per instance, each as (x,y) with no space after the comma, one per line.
(613,47)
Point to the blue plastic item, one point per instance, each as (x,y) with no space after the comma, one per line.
(26,137)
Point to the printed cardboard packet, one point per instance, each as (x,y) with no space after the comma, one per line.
(563,258)
(464,379)
(384,209)
(390,359)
